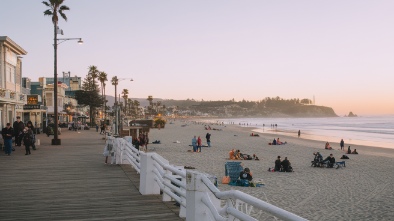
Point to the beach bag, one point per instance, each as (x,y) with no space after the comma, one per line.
(226,180)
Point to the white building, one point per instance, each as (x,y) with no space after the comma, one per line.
(12,97)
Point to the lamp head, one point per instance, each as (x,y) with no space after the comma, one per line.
(80,41)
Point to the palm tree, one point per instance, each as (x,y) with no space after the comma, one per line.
(125,94)
(136,105)
(130,104)
(115,82)
(102,77)
(55,7)
(94,73)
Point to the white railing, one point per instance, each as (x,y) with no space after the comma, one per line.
(198,197)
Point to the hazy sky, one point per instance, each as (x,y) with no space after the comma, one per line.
(341,52)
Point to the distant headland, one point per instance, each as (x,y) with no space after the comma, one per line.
(268,107)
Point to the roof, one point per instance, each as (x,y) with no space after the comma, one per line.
(14,46)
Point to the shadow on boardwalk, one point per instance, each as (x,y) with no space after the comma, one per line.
(71,182)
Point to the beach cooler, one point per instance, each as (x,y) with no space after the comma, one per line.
(233,169)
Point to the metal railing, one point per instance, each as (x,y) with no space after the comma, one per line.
(198,197)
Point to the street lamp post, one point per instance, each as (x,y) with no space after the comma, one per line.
(57,41)
(115,81)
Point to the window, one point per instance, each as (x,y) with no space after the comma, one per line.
(10,75)
(49,99)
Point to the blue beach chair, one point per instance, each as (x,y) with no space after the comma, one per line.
(233,169)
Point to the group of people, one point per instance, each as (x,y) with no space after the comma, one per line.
(21,132)
(197,143)
(141,142)
(277,142)
(282,166)
(237,155)
(342,145)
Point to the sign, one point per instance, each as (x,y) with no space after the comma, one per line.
(32,99)
(31,107)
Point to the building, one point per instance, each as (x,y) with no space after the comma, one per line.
(12,95)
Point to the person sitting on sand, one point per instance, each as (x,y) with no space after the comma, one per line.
(354,151)
(348,150)
(255,157)
(246,175)
(238,155)
(330,159)
(328,147)
(278,142)
(274,142)
(286,165)
(231,154)
(278,165)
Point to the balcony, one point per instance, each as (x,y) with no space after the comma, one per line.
(7,96)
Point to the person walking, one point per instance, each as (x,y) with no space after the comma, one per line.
(27,139)
(102,129)
(342,144)
(208,137)
(299,133)
(31,127)
(7,133)
(18,130)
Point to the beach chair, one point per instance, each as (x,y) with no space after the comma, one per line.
(233,169)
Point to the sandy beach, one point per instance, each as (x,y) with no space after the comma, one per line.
(363,190)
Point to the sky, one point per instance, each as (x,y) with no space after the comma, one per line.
(339,52)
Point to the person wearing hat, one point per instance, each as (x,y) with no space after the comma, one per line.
(246,175)
(7,133)
(18,130)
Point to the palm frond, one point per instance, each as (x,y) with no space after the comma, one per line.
(63,15)
(48,12)
(64,8)
(46,3)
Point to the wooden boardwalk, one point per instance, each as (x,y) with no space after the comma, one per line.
(71,182)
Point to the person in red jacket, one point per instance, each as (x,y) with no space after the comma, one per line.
(199,144)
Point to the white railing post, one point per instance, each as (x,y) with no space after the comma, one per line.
(148,185)
(167,197)
(195,191)
(119,150)
(128,139)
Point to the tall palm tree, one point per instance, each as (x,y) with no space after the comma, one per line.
(125,95)
(102,77)
(115,82)
(129,106)
(55,7)
(136,105)
(94,73)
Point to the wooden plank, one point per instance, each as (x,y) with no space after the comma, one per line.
(71,182)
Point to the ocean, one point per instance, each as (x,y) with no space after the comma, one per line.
(375,131)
